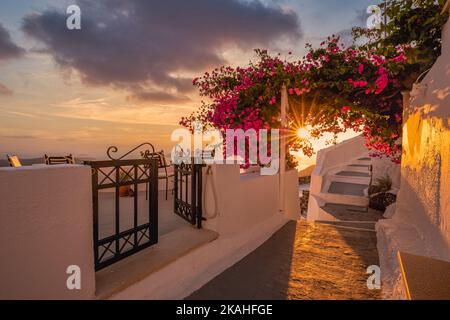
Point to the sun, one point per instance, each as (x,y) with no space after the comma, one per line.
(302,133)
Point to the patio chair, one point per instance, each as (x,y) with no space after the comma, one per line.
(14,161)
(59,160)
(162,164)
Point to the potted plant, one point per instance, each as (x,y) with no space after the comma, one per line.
(380,195)
(125,191)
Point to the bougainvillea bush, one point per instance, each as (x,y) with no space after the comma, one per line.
(331,89)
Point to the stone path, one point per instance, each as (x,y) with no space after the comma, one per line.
(301,261)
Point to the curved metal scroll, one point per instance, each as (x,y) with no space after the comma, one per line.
(113,149)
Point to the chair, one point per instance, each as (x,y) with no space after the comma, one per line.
(59,160)
(162,164)
(14,161)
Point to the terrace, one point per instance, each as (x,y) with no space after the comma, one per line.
(228,233)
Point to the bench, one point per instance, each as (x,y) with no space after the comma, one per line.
(424,278)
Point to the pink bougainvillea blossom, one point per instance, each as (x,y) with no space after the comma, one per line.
(338,81)
(345,109)
(360,68)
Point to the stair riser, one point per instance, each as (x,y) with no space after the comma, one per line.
(345,199)
(365,162)
(356,169)
(348,179)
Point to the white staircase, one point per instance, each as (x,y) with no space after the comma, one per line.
(339,187)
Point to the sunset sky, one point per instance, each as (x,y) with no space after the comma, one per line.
(125,77)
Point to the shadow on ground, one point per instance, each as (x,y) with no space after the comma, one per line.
(301,261)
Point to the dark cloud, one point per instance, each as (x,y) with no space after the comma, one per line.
(8,49)
(360,20)
(5,91)
(139,43)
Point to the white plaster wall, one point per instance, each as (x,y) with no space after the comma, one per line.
(421,222)
(45,226)
(244,200)
(382,167)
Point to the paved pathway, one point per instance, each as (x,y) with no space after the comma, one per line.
(301,261)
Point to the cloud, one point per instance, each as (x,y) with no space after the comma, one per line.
(5,91)
(360,21)
(8,49)
(157,96)
(109,111)
(145,46)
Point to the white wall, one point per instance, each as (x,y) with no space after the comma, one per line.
(382,167)
(421,222)
(45,226)
(245,200)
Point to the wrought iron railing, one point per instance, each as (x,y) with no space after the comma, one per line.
(188,192)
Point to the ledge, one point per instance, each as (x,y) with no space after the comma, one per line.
(135,268)
(425,278)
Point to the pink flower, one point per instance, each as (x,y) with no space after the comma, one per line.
(358,83)
(345,109)
(273,101)
(297,91)
(291,91)
(360,68)
(381,83)
(400,58)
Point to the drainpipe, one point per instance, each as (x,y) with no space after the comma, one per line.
(284,108)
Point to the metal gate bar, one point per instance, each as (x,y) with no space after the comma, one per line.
(116,174)
(187,200)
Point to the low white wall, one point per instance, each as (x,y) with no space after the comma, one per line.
(421,222)
(244,200)
(45,226)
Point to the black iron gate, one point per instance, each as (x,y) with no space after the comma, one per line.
(134,233)
(188,192)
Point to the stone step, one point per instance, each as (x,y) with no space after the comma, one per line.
(344,188)
(349,177)
(343,212)
(354,225)
(359,165)
(353,174)
(344,199)
(356,168)
(362,161)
